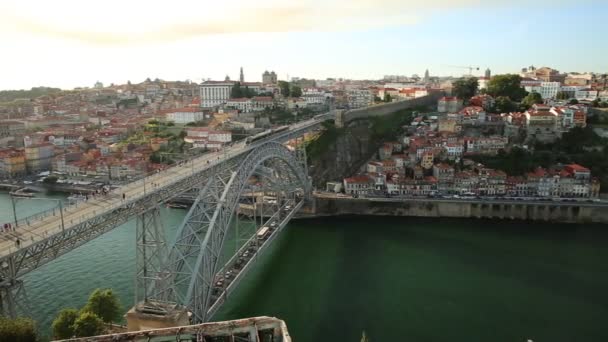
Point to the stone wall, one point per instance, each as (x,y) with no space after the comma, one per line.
(566,213)
(387,108)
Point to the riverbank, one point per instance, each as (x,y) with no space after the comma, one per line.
(561,212)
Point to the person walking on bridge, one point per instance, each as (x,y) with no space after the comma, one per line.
(123,196)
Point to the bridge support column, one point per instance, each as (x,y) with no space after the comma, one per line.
(13,299)
(151,251)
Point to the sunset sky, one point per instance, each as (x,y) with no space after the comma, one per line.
(67,44)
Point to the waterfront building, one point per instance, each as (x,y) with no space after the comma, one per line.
(39,157)
(12,163)
(185,115)
(358,185)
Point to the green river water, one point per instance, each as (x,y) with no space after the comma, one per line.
(399,279)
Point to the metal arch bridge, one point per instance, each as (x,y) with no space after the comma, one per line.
(44,237)
(187,278)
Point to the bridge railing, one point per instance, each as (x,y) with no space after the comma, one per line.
(30,224)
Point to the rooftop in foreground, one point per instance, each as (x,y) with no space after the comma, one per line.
(248,329)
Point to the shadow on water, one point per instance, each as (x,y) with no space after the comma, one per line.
(432,280)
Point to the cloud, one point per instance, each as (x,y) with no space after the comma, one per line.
(117,22)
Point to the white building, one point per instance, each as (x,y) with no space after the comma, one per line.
(482,82)
(314,96)
(244,104)
(571,90)
(194,133)
(586,94)
(358,98)
(185,115)
(215,93)
(547,90)
(358,185)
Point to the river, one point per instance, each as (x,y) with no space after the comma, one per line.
(399,279)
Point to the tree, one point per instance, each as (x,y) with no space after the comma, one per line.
(63,325)
(504,105)
(296,91)
(105,304)
(573,101)
(284,87)
(88,324)
(387,97)
(236,91)
(50,180)
(465,88)
(17,330)
(506,85)
(562,95)
(532,99)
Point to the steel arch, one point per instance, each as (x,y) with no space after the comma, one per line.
(193,258)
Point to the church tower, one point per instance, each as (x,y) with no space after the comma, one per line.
(242,77)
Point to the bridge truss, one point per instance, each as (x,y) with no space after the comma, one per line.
(272,161)
(194,275)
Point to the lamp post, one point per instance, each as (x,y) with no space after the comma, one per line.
(39,199)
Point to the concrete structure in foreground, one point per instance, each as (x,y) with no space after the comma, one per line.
(249,329)
(563,212)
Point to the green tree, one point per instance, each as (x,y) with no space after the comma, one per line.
(562,95)
(63,325)
(532,99)
(295,91)
(508,85)
(50,180)
(387,97)
(504,105)
(465,88)
(105,304)
(88,324)
(284,87)
(17,330)
(573,101)
(236,91)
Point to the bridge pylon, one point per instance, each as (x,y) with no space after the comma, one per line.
(13,298)
(186,286)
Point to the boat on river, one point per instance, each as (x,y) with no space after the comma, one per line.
(23,192)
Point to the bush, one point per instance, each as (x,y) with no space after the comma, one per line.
(88,324)
(17,330)
(51,180)
(104,304)
(63,325)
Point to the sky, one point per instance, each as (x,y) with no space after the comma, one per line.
(74,43)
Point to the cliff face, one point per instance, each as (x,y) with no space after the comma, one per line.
(344,156)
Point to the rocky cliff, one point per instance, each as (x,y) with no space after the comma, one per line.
(343,156)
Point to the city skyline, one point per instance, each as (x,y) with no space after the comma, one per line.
(66,45)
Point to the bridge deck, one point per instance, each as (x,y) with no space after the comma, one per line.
(34,229)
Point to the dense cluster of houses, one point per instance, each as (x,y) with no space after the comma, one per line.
(433,157)
(567,181)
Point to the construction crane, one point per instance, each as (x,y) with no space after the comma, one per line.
(465,67)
